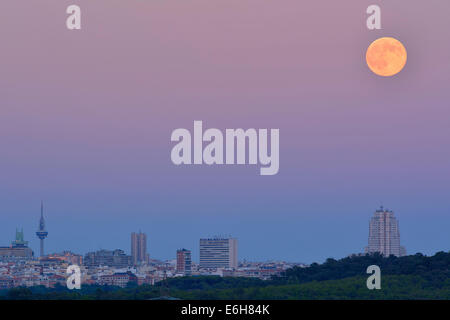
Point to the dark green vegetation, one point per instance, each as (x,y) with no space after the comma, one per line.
(410,277)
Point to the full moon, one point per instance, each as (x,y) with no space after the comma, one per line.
(386,56)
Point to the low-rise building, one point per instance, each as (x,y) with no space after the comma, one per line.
(115,258)
(118,279)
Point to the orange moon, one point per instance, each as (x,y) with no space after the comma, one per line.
(386,56)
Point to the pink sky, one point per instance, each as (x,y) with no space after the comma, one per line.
(86,115)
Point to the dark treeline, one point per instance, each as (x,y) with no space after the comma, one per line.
(435,268)
(410,277)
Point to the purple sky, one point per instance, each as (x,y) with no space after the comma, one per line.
(86,118)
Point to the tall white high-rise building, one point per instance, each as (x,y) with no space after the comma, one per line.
(384,234)
(218,253)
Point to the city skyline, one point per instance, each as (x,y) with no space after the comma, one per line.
(142,248)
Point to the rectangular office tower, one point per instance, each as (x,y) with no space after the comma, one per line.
(139,248)
(218,253)
(184,262)
(384,234)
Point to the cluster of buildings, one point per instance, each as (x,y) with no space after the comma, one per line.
(218,256)
(116,268)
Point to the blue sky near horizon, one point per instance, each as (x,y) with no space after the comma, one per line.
(310,238)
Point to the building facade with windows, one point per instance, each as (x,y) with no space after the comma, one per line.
(18,251)
(139,248)
(218,253)
(384,234)
(121,279)
(184,262)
